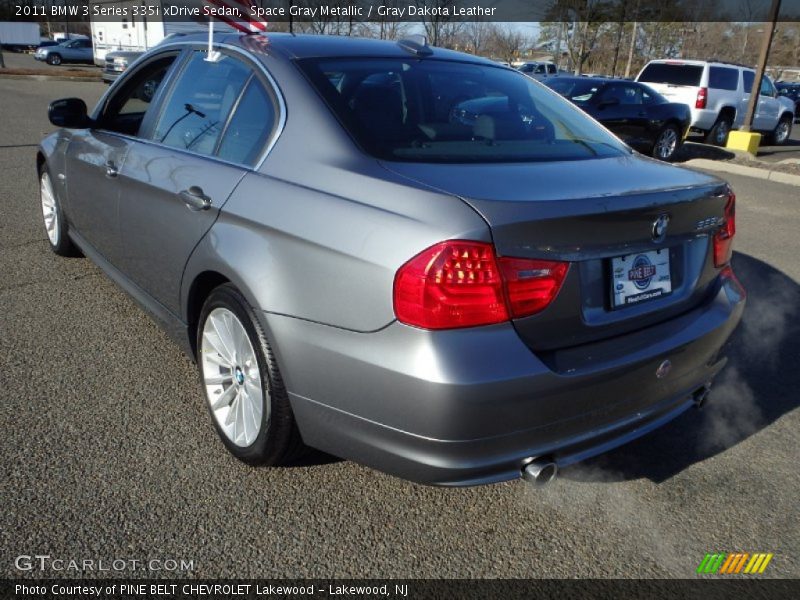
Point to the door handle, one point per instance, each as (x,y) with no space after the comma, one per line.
(111,169)
(195,199)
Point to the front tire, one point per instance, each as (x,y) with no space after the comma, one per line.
(55,225)
(719,132)
(54,59)
(667,143)
(244,390)
(782,131)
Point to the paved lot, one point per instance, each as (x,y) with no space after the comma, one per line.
(108,451)
(21,60)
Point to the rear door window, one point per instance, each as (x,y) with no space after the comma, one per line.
(200,102)
(250,126)
(675,74)
(723,78)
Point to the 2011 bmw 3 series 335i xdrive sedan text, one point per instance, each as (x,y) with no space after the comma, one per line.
(361,265)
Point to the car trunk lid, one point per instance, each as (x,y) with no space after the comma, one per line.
(589,213)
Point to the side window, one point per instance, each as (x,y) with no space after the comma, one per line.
(766,87)
(723,78)
(551,69)
(749,78)
(625,94)
(198,107)
(250,126)
(125,110)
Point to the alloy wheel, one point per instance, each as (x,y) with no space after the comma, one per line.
(49,209)
(232,377)
(782,131)
(722,132)
(666,143)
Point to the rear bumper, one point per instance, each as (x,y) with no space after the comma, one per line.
(703,119)
(469,407)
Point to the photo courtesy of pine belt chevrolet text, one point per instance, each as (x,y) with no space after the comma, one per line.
(409,257)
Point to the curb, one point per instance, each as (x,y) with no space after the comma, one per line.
(736,169)
(93,78)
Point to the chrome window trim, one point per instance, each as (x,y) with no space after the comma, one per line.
(278,94)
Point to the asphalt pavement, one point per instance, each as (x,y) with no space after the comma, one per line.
(109,453)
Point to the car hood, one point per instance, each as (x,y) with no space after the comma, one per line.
(550,181)
(787,102)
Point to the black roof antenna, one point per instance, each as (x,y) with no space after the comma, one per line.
(416,44)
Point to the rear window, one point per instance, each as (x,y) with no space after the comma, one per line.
(723,78)
(452,112)
(675,74)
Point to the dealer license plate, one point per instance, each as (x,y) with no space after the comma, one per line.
(640,277)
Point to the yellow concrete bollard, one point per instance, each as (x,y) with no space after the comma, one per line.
(744,140)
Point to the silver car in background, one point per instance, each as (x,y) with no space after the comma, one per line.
(357,268)
(78,50)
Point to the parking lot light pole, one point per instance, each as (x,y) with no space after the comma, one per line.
(745,139)
(762,65)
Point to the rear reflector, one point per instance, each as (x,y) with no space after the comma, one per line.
(723,238)
(702,98)
(462,283)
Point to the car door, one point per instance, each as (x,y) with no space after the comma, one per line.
(95,156)
(613,107)
(175,182)
(769,106)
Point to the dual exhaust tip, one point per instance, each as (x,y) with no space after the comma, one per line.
(540,471)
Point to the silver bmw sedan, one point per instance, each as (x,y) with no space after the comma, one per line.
(365,258)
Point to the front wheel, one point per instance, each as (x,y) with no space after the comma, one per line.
(782,131)
(243,386)
(54,59)
(667,143)
(719,132)
(55,225)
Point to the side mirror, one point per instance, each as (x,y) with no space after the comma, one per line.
(70,113)
(608,102)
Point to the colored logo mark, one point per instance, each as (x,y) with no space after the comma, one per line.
(723,563)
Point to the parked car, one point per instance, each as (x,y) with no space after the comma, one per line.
(455,303)
(791,91)
(639,116)
(717,94)
(539,70)
(117,62)
(71,51)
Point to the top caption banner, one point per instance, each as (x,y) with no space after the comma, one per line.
(283,11)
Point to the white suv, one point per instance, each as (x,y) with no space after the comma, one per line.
(717,94)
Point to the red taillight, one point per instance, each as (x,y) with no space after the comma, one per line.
(531,284)
(723,238)
(463,284)
(702,98)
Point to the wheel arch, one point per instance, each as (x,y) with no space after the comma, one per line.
(201,286)
(728,111)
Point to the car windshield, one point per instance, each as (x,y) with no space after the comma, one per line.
(675,74)
(452,112)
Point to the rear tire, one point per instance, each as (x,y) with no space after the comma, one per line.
(718,135)
(668,141)
(244,390)
(782,131)
(54,59)
(55,224)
